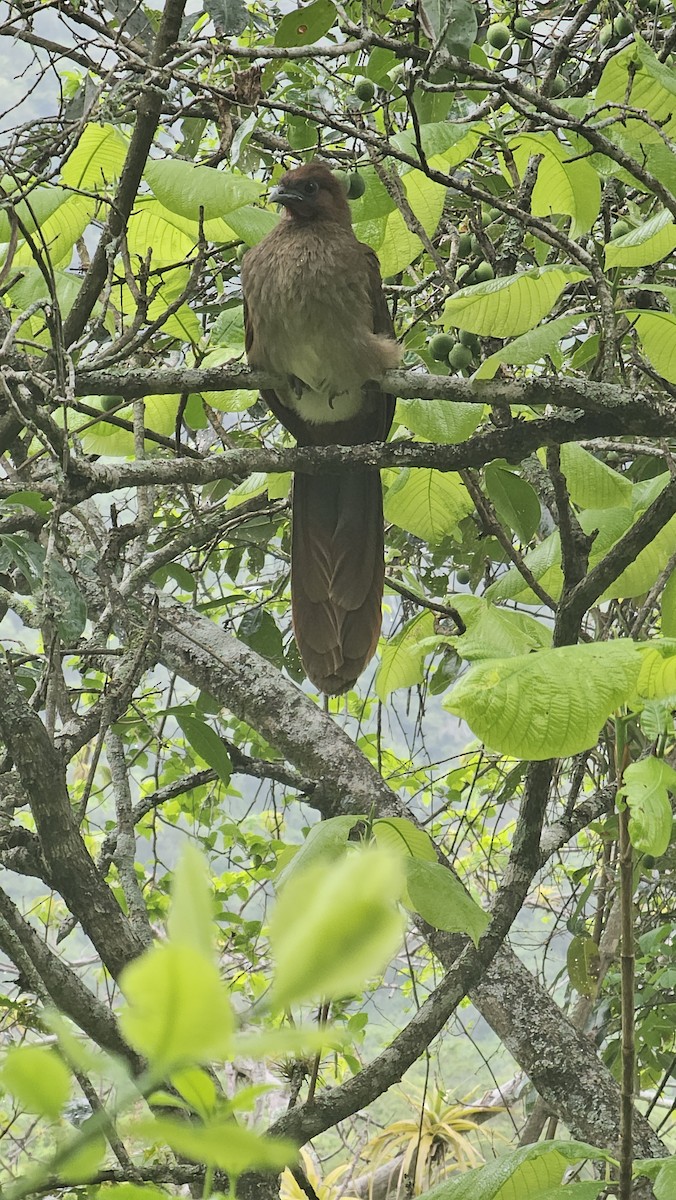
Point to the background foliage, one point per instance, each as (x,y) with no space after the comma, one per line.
(514,169)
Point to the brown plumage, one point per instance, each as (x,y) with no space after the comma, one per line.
(316,317)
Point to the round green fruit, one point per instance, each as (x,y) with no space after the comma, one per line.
(355,185)
(490,215)
(622,26)
(558,86)
(606,36)
(619,229)
(484,272)
(110,402)
(364,89)
(469,339)
(498,36)
(462,576)
(464,244)
(522,27)
(440,346)
(460,357)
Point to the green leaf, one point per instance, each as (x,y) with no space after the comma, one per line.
(40,204)
(59,232)
(306,25)
(98,158)
(515,501)
(220,1143)
(524,1174)
(403,837)
(657,335)
(591,483)
(648,243)
(439,421)
(205,742)
(81,1157)
(636,78)
(646,787)
(668,607)
(37,1078)
(152,225)
(663,1174)
(191,916)
(230,16)
(402,659)
(547,705)
(530,348)
(582,961)
(289,1041)
(496,632)
(451,144)
(177,1010)
(427,503)
(259,630)
(196,1087)
(395,244)
(326,842)
(510,305)
(184,188)
(334,927)
(566,183)
(441,899)
(456,19)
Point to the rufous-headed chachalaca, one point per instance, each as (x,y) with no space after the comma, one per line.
(317,319)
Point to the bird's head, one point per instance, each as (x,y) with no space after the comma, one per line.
(312,193)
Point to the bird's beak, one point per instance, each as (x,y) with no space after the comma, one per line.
(282,195)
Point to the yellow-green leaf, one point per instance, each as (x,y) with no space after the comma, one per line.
(427,503)
(508,306)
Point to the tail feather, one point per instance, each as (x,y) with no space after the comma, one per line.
(337,574)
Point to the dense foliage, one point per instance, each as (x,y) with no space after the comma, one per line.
(514,169)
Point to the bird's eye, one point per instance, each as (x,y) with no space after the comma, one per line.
(310,187)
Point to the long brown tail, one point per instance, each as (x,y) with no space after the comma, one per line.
(337,574)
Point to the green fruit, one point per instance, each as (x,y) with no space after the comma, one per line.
(522,27)
(469,339)
(619,229)
(606,36)
(484,272)
(558,86)
(364,89)
(498,36)
(462,576)
(464,244)
(490,215)
(440,346)
(110,402)
(355,186)
(622,26)
(460,357)
(474,246)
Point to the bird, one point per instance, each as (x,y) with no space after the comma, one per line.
(316,319)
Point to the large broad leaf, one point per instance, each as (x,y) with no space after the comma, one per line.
(335,926)
(509,306)
(184,188)
(427,503)
(591,483)
(326,841)
(439,420)
(38,1078)
(403,837)
(547,705)
(394,242)
(59,232)
(219,1142)
(544,563)
(454,21)
(441,899)
(40,203)
(97,159)
(403,656)
(529,1173)
(516,501)
(565,182)
(306,24)
(191,916)
(647,786)
(493,632)
(447,145)
(657,335)
(635,78)
(177,1009)
(530,348)
(648,243)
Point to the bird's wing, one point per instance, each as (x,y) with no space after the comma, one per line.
(286,416)
(382,323)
